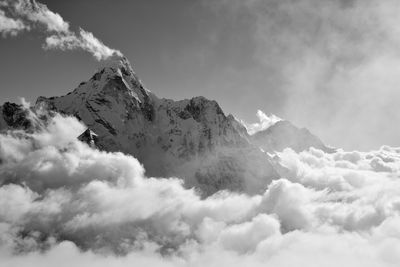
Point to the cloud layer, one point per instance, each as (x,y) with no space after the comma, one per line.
(62,201)
(22,15)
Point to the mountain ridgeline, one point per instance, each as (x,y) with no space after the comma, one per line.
(192,139)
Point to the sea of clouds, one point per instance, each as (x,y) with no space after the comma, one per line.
(64,203)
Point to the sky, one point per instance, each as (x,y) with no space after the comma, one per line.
(331,66)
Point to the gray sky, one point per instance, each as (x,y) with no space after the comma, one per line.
(329,65)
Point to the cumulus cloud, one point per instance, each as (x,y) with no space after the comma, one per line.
(265,121)
(28,15)
(61,199)
(39,13)
(10,26)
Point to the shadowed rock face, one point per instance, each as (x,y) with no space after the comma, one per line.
(89,137)
(192,139)
(14,116)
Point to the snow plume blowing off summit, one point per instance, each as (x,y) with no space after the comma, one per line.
(64,203)
(17,16)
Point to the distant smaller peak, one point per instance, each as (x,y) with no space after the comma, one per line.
(283,123)
(265,121)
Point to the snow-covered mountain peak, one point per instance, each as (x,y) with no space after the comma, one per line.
(117,65)
(191,138)
(115,78)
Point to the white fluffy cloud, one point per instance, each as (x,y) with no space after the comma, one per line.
(10,26)
(82,206)
(83,40)
(27,15)
(264,122)
(38,13)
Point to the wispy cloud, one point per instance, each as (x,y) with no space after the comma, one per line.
(264,122)
(19,15)
(83,40)
(35,12)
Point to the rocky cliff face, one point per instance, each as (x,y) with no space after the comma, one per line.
(191,139)
(14,116)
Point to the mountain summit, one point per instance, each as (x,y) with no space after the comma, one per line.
(192,138)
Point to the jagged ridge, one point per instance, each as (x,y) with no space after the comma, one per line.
(192,139)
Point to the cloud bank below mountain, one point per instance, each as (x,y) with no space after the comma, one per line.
(62,201)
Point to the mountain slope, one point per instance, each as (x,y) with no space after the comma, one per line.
(191,138)
(284,134)
(16,116)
